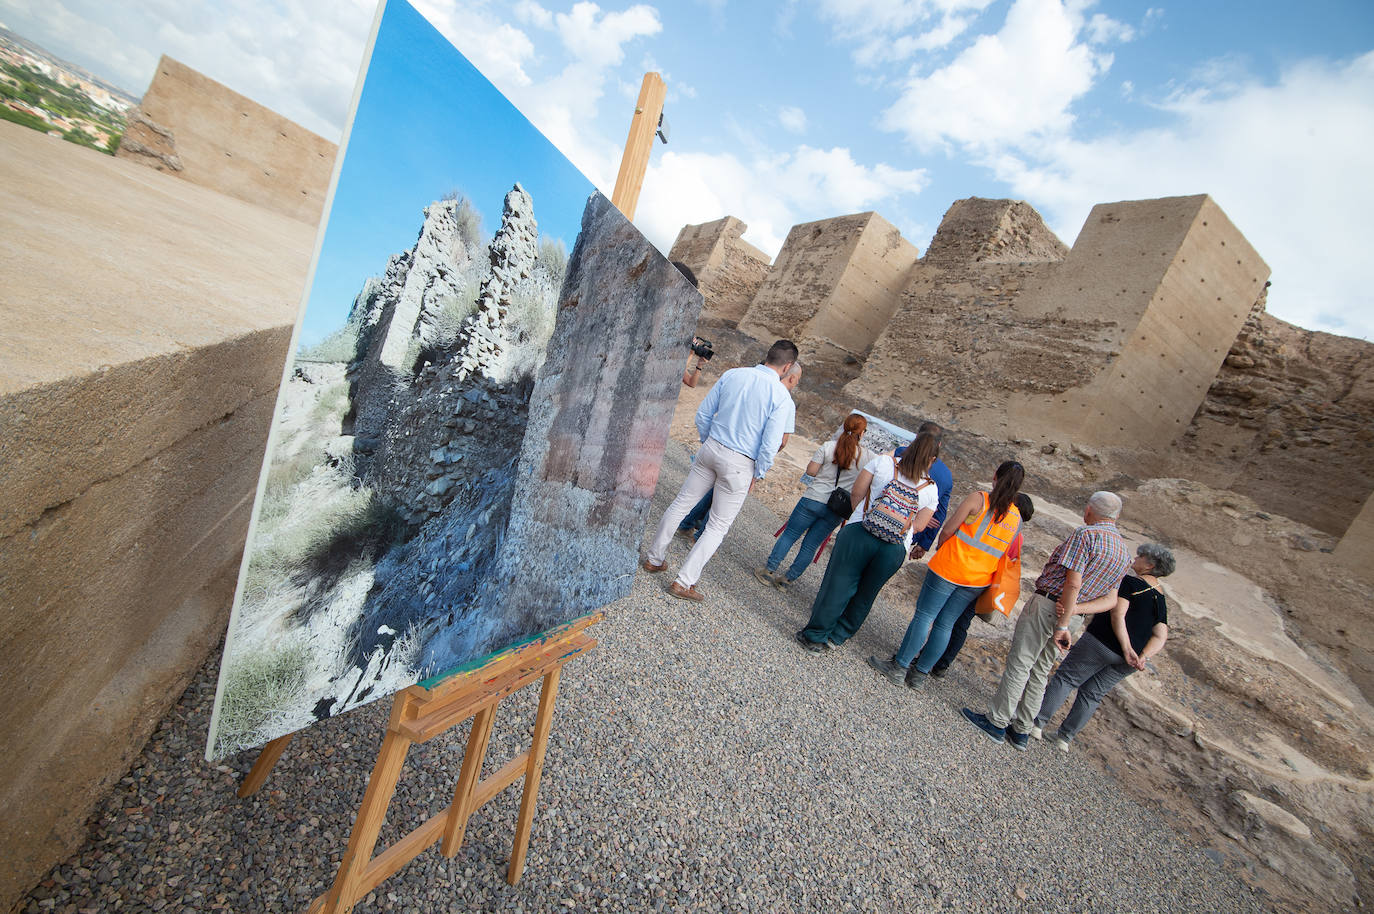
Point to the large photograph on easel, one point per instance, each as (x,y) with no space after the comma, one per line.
(470,429)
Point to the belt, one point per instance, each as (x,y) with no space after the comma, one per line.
(1047,595)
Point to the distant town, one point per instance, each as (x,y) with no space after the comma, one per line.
(46,93)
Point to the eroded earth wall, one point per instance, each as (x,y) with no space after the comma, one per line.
(729,270)
(1289,421)
(147,321)
(206,133)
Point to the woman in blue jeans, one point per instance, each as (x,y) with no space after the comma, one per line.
(971,543)
(835,465)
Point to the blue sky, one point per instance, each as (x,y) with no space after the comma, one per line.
(428,123)
(803,109)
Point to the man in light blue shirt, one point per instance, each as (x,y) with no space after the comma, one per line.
(741,425)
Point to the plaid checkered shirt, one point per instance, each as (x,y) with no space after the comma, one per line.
(1095,551)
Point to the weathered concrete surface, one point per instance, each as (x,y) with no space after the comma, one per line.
(598,422)
(955,340)
(146,323)
(729,270)
(231,144)
(836,280)
(1115,344)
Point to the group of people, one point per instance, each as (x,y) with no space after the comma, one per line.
(890,508)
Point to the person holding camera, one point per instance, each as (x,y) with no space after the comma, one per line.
(702,350)
(741,425)
(823,506)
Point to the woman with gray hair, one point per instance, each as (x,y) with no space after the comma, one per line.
(1113,646)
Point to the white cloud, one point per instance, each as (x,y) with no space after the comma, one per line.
(1004,88)
(792,118)
(771,192)
(886,31)
(596,39)
(1288,162)
(1103,29)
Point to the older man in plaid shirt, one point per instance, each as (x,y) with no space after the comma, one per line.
(1087,565)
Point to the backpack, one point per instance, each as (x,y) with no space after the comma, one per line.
(891,514)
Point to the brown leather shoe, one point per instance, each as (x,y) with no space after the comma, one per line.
(652,568)
(686,593)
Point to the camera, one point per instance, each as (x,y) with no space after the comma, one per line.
(702,348)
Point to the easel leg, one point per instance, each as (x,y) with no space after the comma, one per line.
(267,760)
(461,808)
(542,722)
(371,815)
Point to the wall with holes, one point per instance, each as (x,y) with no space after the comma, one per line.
(1177,280)
(231,144)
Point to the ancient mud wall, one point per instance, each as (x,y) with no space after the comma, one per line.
(1289,421)
(206,133)
(956,342)
(1115,344)
(835,280)
(729,270)
(136,396)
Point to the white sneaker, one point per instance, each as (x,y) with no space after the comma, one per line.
(1037,733)
(1062,743)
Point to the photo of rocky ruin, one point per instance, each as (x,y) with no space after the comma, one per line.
(469,435)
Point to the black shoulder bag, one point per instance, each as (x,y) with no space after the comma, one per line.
(839,501)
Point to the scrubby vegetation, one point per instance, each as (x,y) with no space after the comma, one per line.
(256,688)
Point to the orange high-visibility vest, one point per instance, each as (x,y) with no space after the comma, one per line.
(969,557)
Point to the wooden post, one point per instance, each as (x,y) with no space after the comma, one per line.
(635,161)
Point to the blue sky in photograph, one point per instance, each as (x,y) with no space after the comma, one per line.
(428,123)
(798,110)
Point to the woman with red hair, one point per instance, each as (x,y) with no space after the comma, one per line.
(835,465)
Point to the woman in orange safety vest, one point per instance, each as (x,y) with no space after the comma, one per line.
(973,539)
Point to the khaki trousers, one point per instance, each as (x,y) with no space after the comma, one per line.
(1029,660)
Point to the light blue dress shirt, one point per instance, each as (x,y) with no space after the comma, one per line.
(748,410)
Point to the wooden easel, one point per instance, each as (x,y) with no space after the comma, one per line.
(420,713)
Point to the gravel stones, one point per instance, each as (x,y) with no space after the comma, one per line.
(699,761)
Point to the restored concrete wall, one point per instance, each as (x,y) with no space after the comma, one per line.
(1177,280)
(729,270)
(231,144)
(803,277)
(867,293)
(836,280)
(147,325)
(955,342)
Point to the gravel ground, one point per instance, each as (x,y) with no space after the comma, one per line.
(700,760)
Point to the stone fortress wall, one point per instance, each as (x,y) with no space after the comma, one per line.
(834,280)
(729,270)
(148,317)
(206,133)
(1148,338)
